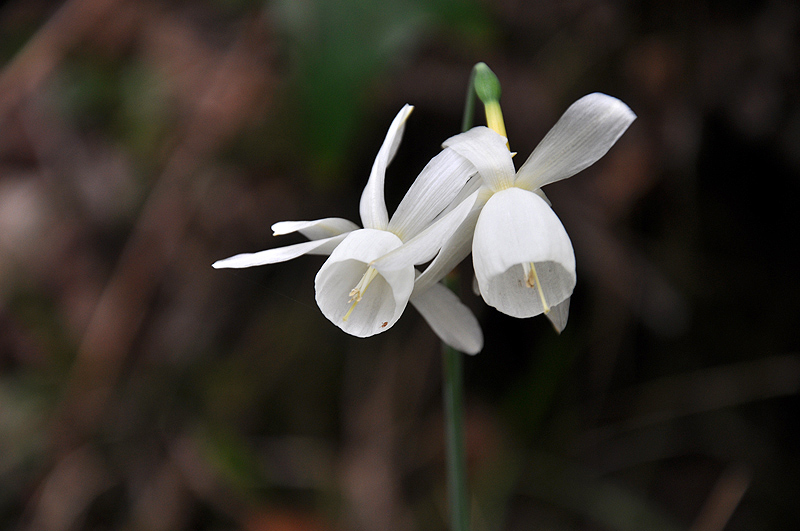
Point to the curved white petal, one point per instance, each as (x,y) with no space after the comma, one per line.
(373,206)
(487,151)
(455,249)
(432,191)
(382,301)
(315,230)
(279,254)
(424,246)
(515,229)
(402,116)
(558,315)
(449,318)
(473,185)
(583,134)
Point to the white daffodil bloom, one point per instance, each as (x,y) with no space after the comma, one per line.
(523,258)
(361,297)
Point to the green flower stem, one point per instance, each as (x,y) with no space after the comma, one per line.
(456,452)
(480,84)
(469,103)
(484,84)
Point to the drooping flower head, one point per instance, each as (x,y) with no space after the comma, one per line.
(353,291)
(523,258)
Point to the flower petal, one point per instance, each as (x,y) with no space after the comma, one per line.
(432,191)
(384,298)
(373,206)
(449,318)
(315,230)
(558,315)
(583,134)
(487,151)
(515,229)
(427,243)
(279,254)
(455,249)
(473,185)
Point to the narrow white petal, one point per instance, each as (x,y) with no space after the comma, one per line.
(315,230)
(455,249)
(449,318)
(432,191)
(373,206)
(381,303)
(424,246)
(558,315)
(488,152)
(398,137)
(280,254)
(516,228)
(583,134)
(473,185)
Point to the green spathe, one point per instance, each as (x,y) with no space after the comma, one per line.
(487,86)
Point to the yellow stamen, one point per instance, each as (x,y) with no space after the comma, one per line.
(357,292)
(494,118)
(532,280)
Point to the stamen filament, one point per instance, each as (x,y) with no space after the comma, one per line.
(357,292)
(531,280)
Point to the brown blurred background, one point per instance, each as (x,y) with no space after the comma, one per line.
(140,389)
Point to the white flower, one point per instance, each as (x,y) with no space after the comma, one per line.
(522,256)
(523,259)
(361,297)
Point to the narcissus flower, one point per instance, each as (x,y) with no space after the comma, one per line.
(357,294)
(523,259)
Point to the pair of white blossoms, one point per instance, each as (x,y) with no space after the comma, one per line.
(467,198)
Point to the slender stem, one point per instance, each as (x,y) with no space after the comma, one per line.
(453,389)
(469,104)
(456,452)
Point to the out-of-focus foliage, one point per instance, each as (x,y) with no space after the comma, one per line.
(338,55)
(140,389)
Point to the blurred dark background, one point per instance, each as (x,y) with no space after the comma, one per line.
(140,389)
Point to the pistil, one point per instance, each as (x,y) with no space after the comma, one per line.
(357,292)
(532,280)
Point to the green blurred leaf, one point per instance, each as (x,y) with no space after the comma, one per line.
(339,50)
(231,456)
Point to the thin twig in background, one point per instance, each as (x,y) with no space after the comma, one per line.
(234,88)
(723,499)
(34,64)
